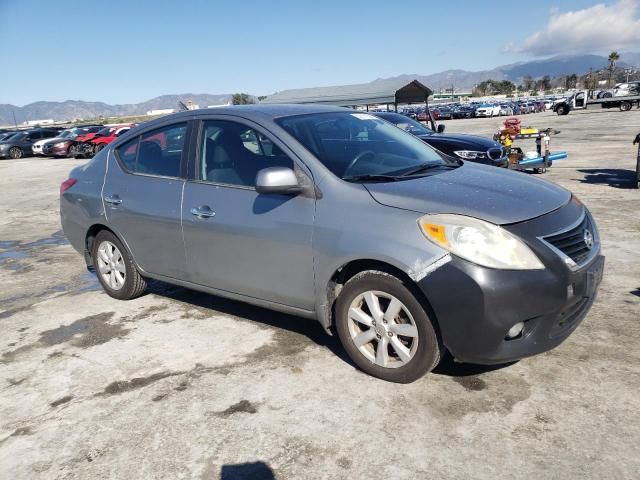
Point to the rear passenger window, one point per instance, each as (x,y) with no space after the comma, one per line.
(155,153)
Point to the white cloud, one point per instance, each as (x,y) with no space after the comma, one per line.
(600,28)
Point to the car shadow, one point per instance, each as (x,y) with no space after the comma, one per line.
(450,368)
(292,323)
(614,177)
(295,324)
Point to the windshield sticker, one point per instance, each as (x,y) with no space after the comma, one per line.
(363,116)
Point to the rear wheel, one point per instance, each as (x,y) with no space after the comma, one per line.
(384,329)
(15,152)
(115,268)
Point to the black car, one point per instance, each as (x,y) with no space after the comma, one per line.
(464,111)
(466,147)
(5,134)
(20,144)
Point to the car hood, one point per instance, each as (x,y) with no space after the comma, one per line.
(474,142)
(50,140)
(493,194)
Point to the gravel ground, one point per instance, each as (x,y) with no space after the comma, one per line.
(178,384)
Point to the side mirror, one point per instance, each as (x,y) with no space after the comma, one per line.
(441,127)
(277,180)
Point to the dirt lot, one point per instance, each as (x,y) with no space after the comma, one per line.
(179,384)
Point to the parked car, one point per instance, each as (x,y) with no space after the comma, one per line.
(626,89)
(445,113)
(20,144)
(427,116)
(463,111)
(87,145)
(337,215)
(488,110)
(506,109)
(466,147)
(61,146)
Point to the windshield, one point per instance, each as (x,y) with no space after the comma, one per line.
(65,133)
(6,136)
(355,145)
(104,132)
(18,136)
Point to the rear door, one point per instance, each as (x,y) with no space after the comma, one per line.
(142,194)
(237,239)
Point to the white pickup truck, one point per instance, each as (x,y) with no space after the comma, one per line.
(583,98)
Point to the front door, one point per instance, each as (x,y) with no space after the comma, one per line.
(142,194)
(237,239)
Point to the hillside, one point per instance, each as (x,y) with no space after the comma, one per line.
(460,79)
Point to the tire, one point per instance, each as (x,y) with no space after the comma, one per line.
(562,110)
(625,106)
(129,283)
(98,148)
(421,348)
(15,153)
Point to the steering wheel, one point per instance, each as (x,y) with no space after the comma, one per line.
(357,158)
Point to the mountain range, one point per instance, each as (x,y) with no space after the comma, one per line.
(460,79)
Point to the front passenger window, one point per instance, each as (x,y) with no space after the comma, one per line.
(232,153)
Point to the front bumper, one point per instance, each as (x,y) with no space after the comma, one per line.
(476,306)
(54,151)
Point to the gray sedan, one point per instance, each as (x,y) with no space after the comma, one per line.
(336,215)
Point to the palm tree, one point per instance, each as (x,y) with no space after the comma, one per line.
(613,58)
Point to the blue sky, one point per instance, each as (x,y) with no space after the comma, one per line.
(130,51)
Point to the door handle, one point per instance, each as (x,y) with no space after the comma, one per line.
(202,212)
(113,200)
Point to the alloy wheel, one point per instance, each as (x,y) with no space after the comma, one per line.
(382,329)
(15,152)
(111,265)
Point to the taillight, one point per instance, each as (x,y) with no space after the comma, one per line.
(67,184)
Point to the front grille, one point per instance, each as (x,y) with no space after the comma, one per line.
(573,243)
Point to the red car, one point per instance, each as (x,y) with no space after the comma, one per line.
(424,116)
(61,147)
(90,144)
(101,141)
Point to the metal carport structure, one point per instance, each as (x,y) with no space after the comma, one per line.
(378,92)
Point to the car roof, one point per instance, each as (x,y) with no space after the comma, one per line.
(251,112)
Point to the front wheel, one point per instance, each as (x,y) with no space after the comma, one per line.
(625,106)
(384,328)
(115,268)
(15,152)
(562,110)
(99,147)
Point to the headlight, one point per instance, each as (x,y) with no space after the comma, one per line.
(60,144)
(470,154)
(479,242)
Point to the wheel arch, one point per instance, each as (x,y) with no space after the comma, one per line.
(353,267)
(90,236)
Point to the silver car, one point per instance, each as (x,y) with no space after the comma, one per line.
(340,216)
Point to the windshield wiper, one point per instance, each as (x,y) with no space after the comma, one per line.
(371,177)
(424,168)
